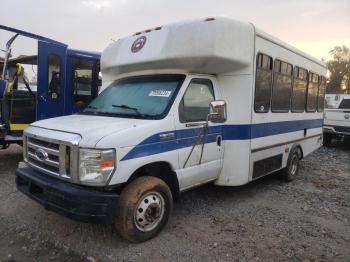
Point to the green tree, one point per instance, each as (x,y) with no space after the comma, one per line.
(339,68)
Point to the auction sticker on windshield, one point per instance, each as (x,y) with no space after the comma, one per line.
(163,93)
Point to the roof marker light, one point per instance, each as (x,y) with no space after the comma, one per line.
(149,30)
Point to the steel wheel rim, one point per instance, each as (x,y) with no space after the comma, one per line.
(149,211)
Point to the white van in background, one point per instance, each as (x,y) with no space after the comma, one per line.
(333,100)
(184,104)
(337,121)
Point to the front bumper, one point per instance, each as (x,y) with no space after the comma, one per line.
(73,201)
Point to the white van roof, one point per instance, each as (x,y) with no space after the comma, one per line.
(202,45)
(212,45)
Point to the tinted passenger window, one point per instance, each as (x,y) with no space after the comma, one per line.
(282,84)
(263,83)
(299,89)
(312,90)
(54,76)
(195,103)
(321,94)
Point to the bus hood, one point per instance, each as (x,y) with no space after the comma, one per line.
(91,128)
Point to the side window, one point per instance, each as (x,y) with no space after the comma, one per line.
(54,76)
(321,94)
(299,89)
(263,81)
(194,105)
(282,84)
(82,81)
(312,90)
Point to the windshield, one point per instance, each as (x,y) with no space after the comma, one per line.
(145,97)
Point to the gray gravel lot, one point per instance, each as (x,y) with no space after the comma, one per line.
(267,220)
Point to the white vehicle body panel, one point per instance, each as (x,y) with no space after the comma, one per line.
(223,51)
(333,100)
(337,120)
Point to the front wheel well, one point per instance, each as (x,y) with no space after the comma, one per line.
(161,170)
(298,146)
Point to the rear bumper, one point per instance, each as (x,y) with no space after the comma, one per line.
(337,130)
(73,201)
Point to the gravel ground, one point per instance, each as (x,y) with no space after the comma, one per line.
(305,220)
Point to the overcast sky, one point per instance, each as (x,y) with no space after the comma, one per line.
(314,26)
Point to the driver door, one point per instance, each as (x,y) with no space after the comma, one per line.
(201,147)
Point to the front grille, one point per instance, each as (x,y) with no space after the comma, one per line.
(52,152)
(55,158)
(342,129)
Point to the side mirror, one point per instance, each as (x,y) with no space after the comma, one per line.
(218,111)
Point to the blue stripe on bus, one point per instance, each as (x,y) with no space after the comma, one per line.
(186,137)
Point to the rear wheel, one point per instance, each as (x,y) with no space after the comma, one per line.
(327,139)
(292,169)
(144,208)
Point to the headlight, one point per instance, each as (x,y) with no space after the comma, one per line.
(96,166)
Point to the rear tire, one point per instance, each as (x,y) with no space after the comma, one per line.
(292,169)
(144,208)
(327,139)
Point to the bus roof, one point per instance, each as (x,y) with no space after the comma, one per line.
(270,38)
(199,46)
(210,45)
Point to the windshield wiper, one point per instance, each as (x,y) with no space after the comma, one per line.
(129,107)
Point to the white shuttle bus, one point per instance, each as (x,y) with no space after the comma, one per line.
(209,100)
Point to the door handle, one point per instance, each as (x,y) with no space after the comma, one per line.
(196,124)
(167,136)
(218,140)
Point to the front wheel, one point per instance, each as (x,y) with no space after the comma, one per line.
(144,208)
(292,169)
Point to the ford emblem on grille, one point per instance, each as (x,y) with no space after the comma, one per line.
(346,116)
(41,154)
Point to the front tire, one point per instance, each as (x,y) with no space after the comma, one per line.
(144,208)
(292,169)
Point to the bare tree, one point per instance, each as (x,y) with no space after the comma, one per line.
(339,68)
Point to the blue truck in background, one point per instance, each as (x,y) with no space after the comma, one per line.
(66,81)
